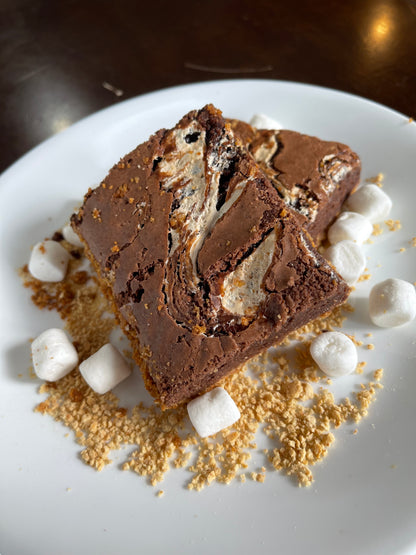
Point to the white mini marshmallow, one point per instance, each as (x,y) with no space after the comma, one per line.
(261,121)
(53,355)
(212,412)
(334,353)
(70,236)
(392,303)
(348,259)
(350,226)
(49,261)
(370,201)
(104,369)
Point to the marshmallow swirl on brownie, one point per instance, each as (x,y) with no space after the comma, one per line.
(205,265)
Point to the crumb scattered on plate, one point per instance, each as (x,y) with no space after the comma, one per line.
(285,400)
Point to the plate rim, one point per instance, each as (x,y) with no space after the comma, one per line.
(174,89)
(8,174)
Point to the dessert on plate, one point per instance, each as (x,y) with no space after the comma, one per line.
(205,258)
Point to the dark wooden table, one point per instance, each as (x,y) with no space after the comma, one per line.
(63,60)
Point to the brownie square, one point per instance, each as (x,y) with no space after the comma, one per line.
(204,263)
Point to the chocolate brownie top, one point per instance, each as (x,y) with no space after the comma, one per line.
(204,262)
(306,171)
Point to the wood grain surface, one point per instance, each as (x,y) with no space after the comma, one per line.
(61,61)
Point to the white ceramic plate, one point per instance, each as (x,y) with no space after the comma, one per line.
(363,500)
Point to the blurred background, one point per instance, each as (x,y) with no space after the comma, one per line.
(63,60)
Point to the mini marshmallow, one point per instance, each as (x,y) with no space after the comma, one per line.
(70,236)
(371,202)
(350,226)
(261,121)
(104,369)
(348,259)
(212,412)
(392,303)
(53,355)
(334,353)
(49,261)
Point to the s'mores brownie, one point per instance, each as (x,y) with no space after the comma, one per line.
(203,261)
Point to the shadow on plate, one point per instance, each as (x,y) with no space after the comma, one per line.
(360,314)
(18,362)
(132,391)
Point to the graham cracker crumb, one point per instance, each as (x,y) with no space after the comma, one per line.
(378,374)
(360,367)
(377,229)
(120,191)
(96,214)
(377,179)
(357,342)
(393,225)
(197,330)
(270,401)
(370,347)
(413,242)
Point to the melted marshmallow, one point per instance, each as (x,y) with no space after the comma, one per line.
(242,288)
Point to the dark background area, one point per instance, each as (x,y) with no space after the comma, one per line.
(61,61)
